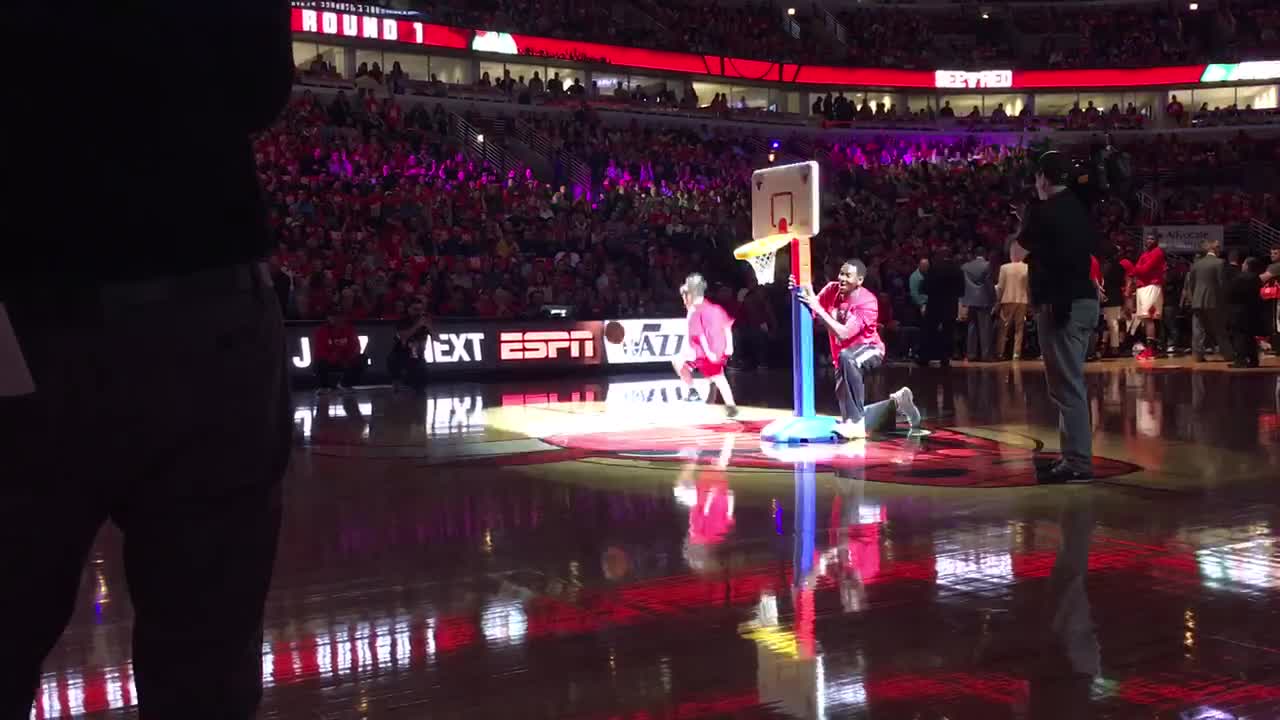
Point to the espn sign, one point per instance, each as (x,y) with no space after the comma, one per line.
(547,345)
(965,80)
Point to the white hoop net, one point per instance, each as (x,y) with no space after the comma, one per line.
(763,265)
(762,254)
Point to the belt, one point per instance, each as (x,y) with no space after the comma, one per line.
(76,306)
(229,279)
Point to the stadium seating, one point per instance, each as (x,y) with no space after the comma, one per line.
(375,203)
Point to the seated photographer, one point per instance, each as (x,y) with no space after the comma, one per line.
(337,350)
(407,363)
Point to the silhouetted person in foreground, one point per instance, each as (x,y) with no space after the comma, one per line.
(155,345)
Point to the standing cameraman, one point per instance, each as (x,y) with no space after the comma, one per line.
(1060,239)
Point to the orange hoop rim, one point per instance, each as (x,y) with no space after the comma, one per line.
(761,246)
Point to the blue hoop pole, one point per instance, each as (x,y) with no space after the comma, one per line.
(801,334)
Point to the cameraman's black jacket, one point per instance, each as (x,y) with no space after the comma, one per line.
(1060,238)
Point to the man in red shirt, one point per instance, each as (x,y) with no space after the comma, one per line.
(1148,273)
(337,349)
(850,313)
(710,341)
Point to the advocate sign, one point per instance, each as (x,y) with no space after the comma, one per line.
(1183,239)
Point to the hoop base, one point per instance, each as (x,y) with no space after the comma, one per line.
(795,430)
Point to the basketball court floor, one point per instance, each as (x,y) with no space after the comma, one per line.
(608,547)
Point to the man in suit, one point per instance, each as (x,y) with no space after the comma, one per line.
(1013,293)
(1232,269)
(980,297)
(1246,314)
(1204,291)
(943,285)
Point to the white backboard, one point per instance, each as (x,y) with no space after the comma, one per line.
(787,192)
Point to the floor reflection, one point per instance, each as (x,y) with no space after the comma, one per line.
(442,557)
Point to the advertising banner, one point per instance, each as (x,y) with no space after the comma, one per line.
(1183,239)
(567,344)
(506,346)
(655,340)
(351,22)
(361,22)
(452,348)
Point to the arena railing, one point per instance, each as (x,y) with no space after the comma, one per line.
(481,147)
(1262,237)
(1150,206)
(577,170)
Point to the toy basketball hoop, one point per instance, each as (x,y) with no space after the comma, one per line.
(762,254)
(784,211)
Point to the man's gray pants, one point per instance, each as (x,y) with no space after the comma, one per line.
(1209,321)
(978,343)
(1064,347)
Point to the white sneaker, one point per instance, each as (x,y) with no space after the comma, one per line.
(905,401)
(850,430)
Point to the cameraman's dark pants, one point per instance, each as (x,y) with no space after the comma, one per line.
(350,372)
(1064,346)
(184,452)
(406,369)
(939,338)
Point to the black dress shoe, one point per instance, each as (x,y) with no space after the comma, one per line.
(1060,474)
(1044,463)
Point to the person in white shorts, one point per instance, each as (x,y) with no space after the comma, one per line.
(1149,275)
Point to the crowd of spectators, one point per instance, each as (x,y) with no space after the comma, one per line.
(951,37)
(376,209)
(753,29)
(1042,35)
(1161,34)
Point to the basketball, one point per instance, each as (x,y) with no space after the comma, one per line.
(614,332)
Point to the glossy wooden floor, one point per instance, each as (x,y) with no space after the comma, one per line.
(608,549)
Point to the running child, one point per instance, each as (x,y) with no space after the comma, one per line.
(710,341)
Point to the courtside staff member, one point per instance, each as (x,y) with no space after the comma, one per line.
(1060,240)
(157,398)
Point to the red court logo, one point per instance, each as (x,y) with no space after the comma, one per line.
(546,345)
